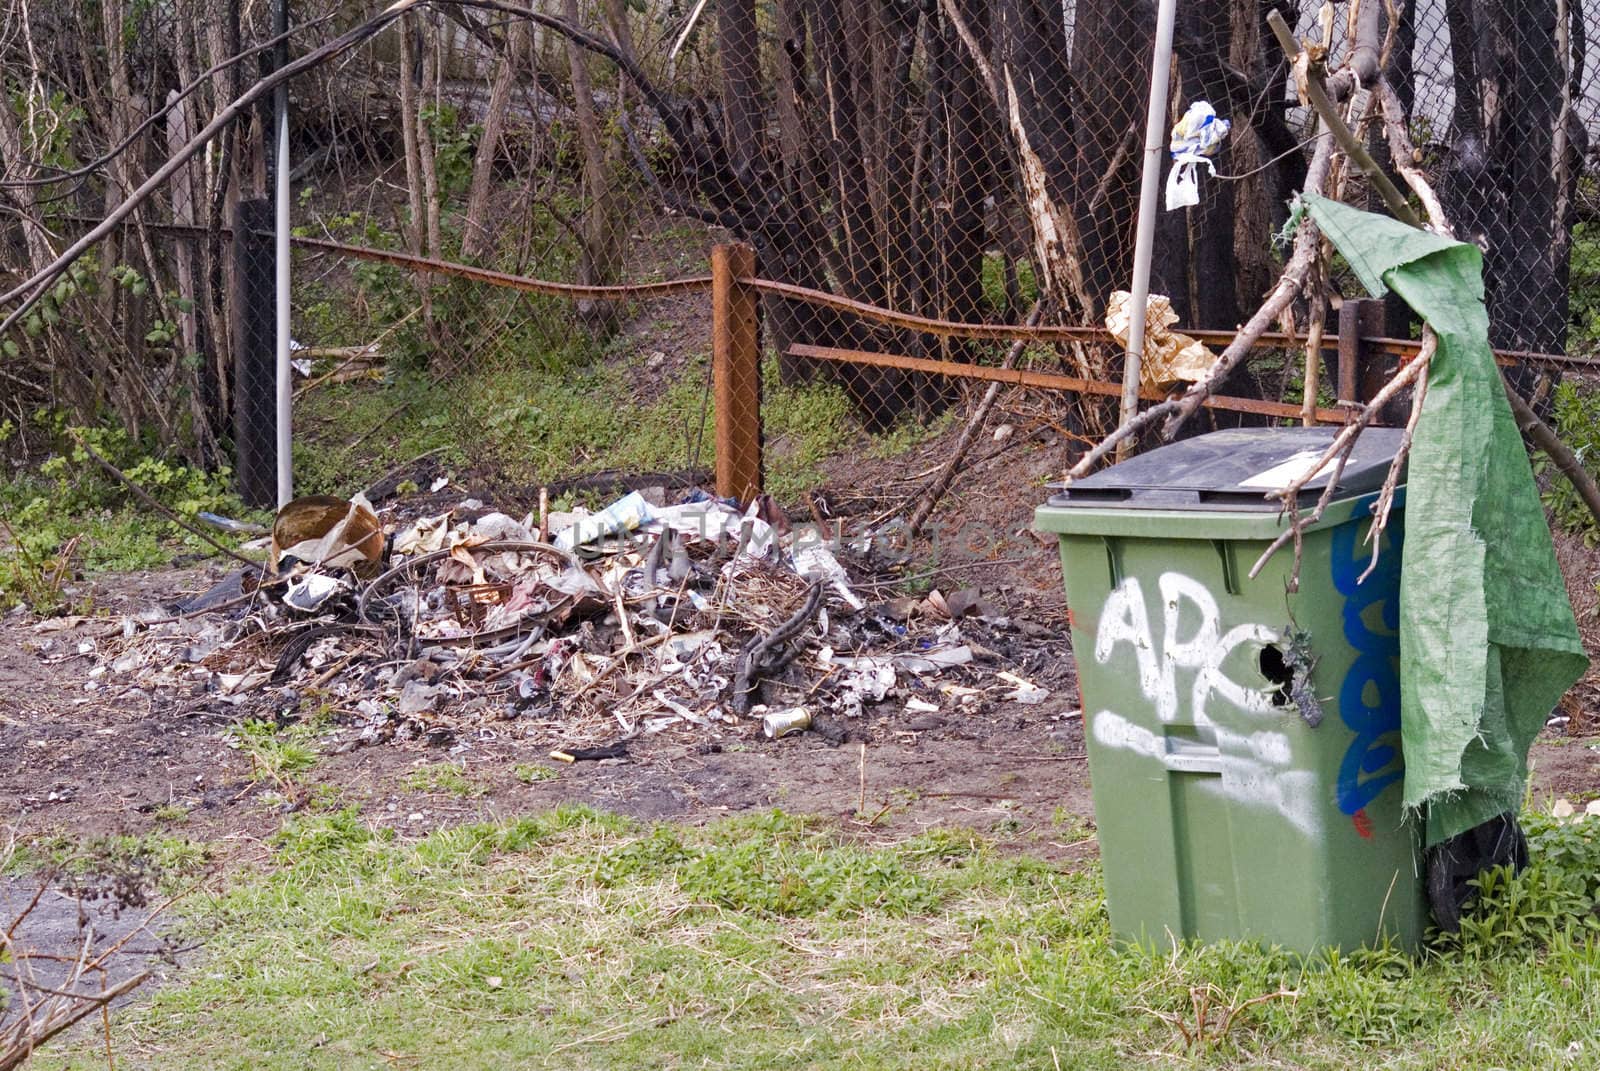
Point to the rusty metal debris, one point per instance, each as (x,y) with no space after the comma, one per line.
(634,620)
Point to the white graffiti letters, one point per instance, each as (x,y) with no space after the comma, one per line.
(1125,619)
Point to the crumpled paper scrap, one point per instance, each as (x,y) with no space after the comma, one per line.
(1169,357)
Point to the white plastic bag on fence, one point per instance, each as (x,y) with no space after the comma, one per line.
(1195,139)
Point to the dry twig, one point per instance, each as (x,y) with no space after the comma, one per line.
(1340,449)
(1290,283)
(1380,511)
(980,414)
(30,1023)
(1201,1001)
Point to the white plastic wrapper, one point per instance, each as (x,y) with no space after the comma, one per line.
(1195,139)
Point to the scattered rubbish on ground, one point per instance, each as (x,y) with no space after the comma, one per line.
(625,622)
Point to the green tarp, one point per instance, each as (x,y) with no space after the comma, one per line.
(1488,643)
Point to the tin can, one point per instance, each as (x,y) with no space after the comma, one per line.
(783,722)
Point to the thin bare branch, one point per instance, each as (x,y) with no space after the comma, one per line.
(1340,448)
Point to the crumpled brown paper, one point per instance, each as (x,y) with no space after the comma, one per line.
(1168,356)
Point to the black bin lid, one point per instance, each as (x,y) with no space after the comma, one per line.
(1234,470)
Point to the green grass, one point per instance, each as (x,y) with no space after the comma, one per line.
(803,425)
(168,862)
(533,772)
(574,939)
(539,418)
(444,778)
(277,753)
(67,516)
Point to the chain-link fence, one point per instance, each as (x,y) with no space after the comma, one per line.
(964,161)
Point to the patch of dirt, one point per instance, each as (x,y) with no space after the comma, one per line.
(71,761)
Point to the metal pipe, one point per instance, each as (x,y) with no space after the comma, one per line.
(285,370)
(1155,147)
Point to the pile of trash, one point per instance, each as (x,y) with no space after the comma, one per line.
(600,626)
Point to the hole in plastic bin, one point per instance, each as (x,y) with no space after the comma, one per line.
(1275,667)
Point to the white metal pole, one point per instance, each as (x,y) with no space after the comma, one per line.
(285,371)
(1155,147)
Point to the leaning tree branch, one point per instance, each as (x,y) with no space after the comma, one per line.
(1317,95)
(1177,410)
(1545,438)
(29,291)
(1404,155)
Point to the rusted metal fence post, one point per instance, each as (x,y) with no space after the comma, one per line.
(736,372)
(1358,317)
(1363,370)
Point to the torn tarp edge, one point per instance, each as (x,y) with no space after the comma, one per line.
(1494,645)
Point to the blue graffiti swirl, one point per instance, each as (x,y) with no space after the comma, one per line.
(1369,765)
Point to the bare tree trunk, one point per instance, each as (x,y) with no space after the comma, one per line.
(621,32)
(601,257)
(1533,262)
(740,58)
(1111,66)
(477,233)
(183,214)
(410,128)
(24,199)
(790,58)
(968,173)
(222,194)
(1211,222)
(427,151)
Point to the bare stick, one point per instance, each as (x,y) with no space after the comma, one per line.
(145,497)
(1380,512)
(861,805)
(1319,316)
(1341,445)
(16,1055)
(1404,155)
(947,472)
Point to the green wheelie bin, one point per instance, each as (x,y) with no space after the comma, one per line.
(1243,739)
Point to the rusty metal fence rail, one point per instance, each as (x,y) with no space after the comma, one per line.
(910,181)
(731,297)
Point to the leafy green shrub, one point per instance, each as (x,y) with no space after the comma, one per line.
(1576,416)
(1555,901)
(1584,300)
(69,513)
